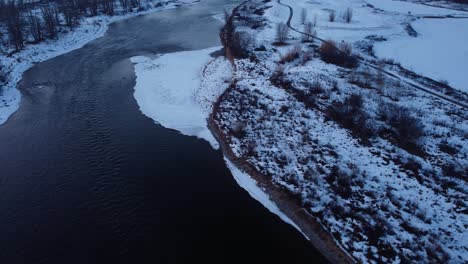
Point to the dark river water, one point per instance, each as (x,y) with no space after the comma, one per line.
(86,178)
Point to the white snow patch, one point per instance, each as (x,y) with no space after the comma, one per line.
(404,7)
(168,90)
(250,185)
(439,52)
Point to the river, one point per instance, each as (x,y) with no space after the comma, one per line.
(86,178)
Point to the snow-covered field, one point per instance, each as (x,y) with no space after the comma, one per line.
(439,51)
(89,29)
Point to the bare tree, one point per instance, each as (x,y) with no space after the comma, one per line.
(303,16)
(108,7)
(309,32)
(70,12)
(282,32)
(348,15)
(93,7)
(332,16)
(35,27)
(124,4)
(51,22)
(15,25)
(135,3)
(227,31)
(314,22)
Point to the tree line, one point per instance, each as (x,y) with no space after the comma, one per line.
(22,23)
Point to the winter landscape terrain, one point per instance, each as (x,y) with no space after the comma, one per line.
(346,118)
(14,62)
(362,120)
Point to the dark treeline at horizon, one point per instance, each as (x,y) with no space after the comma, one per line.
(32,21)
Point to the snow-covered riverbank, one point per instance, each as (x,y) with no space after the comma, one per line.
(90,28)
(290,124)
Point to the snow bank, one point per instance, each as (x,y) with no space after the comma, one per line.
(250,185)
(169,90)
(439,52)
(90,28)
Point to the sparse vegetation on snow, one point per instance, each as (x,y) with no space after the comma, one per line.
(381,163)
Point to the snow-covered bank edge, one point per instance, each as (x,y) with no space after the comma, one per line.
(251,186)
(90,29)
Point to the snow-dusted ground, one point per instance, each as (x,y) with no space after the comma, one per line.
(439,52)
(381,200)
(89,29)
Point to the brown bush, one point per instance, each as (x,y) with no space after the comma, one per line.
(330,53)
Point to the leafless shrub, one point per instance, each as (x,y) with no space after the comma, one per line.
(292,54)
(35,27)
(51,21)
(306,57)
(332,16)
(331,54)
(444,82)
(346,48)
(407,129)
(15,25)
(350,114)
(238,130)
(448,148)
(241,42)
(282,32)
(278,78)
(235,43)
